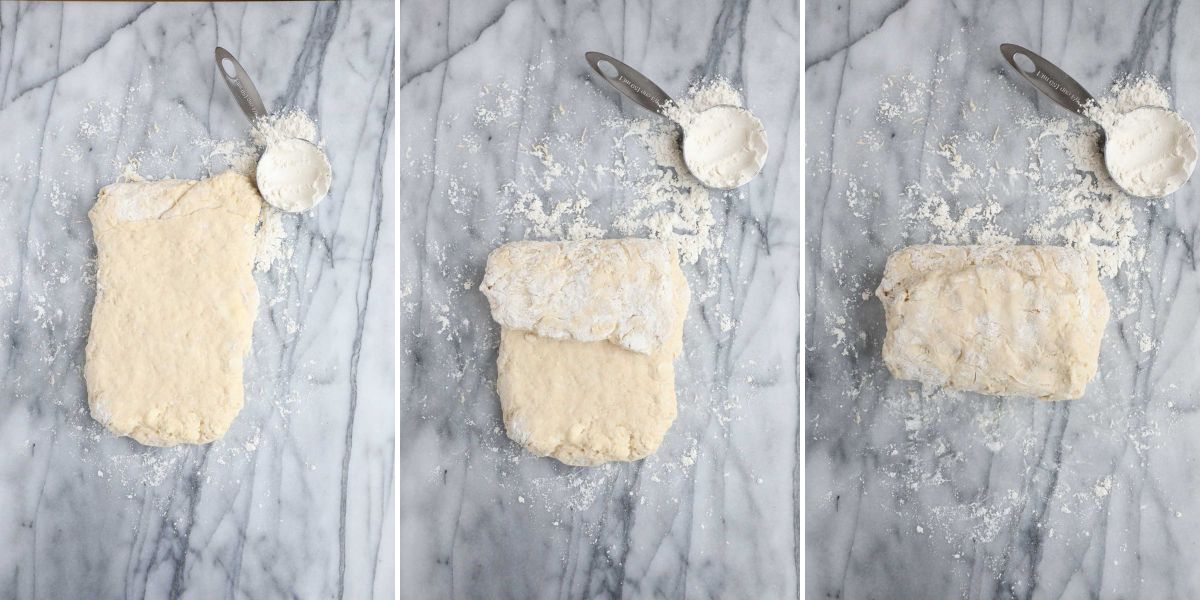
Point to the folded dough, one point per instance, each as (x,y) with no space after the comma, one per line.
(591,290)
(1006,320)
(175,306)
(570,385)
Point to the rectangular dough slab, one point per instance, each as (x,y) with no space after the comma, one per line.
(175,307)
(1005,320)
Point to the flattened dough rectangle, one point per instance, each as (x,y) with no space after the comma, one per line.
(175,307)
(1006,320)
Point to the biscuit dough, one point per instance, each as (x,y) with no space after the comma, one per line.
(616,290)
(1005,320)
(582,397)
(175,306)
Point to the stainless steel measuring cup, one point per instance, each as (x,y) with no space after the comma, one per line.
(1055,84)
(251,103)
(648,95)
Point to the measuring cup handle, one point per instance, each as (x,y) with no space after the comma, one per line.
(629,82)
(1049,79)
(239,83)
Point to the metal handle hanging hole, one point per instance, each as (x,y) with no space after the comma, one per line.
(1025,63)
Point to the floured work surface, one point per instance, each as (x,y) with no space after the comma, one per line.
(589,334)
(1007,320)
(175,307)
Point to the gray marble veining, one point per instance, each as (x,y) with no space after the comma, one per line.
(715,513)
(296,501)
(918,495)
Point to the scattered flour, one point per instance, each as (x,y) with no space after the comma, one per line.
(670,203)
(576,176)
(1084,208)
(1092,212)
(135,148)
(242,155)
(291,123)
(1126,95)
(270,240)
(236,155)
(667,202)
(1056,191)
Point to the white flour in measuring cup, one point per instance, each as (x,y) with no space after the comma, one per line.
(724,146)
(293,175)
(1150,152)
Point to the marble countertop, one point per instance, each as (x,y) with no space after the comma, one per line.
(715,512)
(296,500)
(912,493)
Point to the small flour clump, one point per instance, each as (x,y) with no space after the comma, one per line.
(234,155)
(724,146)
(1151,151)
(269,240)
(293,123)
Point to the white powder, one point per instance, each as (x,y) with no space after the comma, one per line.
(974,225)
(236,155)
(242,154)
(273,243)
(667,202)
(1150,151)
(1086,209)
(291,123)
(1125,95)
(293,175)
(1092,213)
(724,146)
(270,240)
